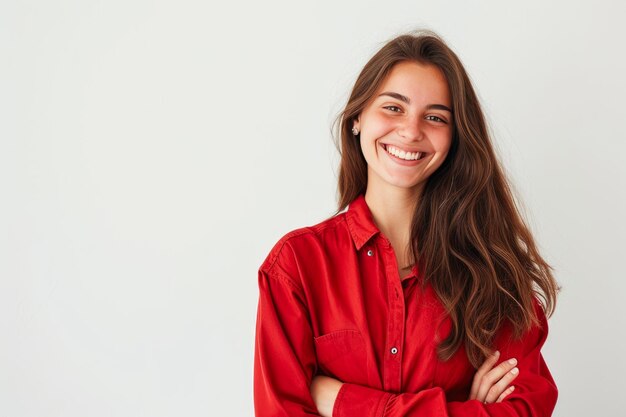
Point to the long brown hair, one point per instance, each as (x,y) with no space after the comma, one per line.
(468,238)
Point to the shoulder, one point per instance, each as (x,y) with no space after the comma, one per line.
(532,337)
(298,245)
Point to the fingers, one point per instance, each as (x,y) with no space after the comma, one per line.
(500,387)
(480,373)
(495,381)
(505,393)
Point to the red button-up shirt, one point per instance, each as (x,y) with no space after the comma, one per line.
(331,301)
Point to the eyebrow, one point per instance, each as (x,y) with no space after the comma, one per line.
(408,101)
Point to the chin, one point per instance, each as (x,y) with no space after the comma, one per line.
(405,185)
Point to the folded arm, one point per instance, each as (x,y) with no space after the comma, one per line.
(535,392)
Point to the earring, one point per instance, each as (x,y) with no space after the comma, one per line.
(355,131)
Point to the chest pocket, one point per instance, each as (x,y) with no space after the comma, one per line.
(341,354)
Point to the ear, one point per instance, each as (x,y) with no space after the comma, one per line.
(356,123)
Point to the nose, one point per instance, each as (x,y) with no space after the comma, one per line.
(411,128)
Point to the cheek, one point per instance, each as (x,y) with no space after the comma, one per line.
(442,141)
(377,126)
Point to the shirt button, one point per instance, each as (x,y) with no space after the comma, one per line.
(394,350)
(370,252)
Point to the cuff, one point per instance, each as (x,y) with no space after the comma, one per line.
(358,401)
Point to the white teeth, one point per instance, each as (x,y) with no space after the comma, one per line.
(409,156)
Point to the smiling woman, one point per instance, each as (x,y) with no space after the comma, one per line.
(428,296)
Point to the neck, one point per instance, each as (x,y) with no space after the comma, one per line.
(392,210)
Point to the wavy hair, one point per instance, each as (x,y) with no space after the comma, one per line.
(468,238)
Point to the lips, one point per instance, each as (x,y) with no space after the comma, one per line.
(422,154)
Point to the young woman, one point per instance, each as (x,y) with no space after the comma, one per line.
(427,296)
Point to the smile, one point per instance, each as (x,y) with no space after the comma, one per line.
(398,153)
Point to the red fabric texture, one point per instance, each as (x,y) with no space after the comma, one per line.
(331,302)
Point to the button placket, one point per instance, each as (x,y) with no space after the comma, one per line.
(392,373)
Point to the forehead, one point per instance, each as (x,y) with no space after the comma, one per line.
(420,82)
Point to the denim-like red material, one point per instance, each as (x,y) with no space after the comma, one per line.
(331,302)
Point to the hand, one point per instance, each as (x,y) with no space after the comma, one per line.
(324,390)
(490,385)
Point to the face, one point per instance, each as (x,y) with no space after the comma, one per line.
(408,117)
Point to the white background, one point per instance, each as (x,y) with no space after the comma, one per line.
(152,152)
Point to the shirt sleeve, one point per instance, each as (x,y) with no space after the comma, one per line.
(535,392)
(284,358)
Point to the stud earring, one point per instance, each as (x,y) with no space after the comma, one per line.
(355,131)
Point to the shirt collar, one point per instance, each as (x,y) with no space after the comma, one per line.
(360,221)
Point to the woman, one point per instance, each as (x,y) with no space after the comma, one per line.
(422,298)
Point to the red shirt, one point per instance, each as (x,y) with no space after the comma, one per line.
(331,302)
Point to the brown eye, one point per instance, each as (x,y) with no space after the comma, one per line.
(392,107)
(438,119)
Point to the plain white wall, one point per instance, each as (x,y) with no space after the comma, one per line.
(152,152)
